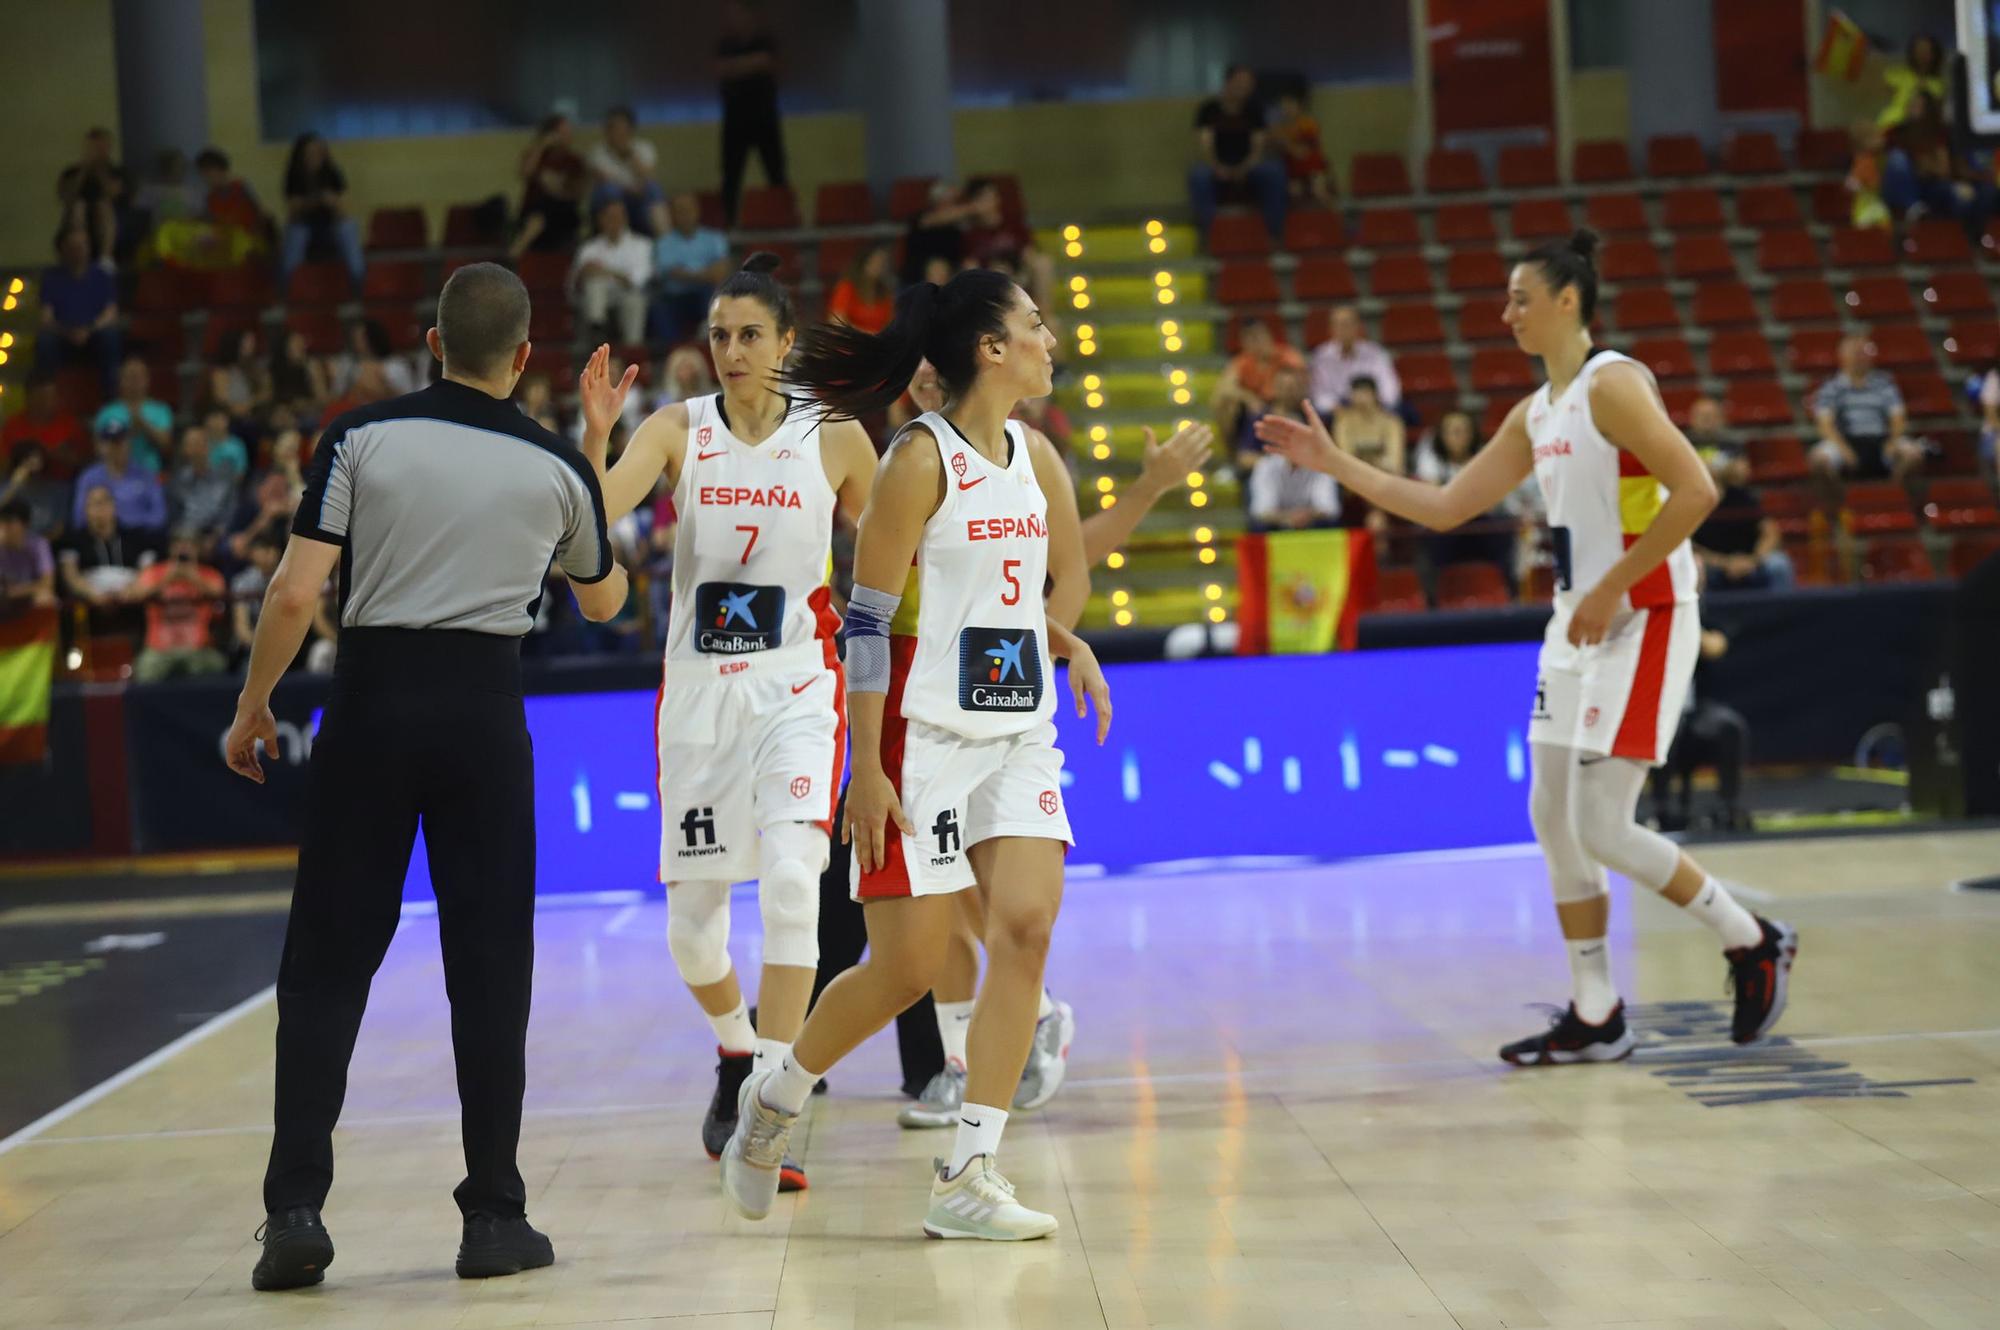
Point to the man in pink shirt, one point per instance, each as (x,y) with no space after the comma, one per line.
(1347,356)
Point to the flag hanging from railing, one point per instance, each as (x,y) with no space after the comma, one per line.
(1302,591)
(27,667)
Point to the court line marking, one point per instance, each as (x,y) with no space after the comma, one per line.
(118,1080)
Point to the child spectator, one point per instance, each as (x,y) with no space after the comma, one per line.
(1297,137)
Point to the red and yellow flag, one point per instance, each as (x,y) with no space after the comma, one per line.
(1302,591)
(27,667)
(1843,48)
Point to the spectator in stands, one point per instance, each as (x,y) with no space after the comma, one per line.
(96,196)
(231,206)
(1283,497)
(27,568)
(537,401)
(149,421)
(1307,174)
(297,377)
(181,595)
(940,238)
(79,312)
(1438,457)
(556,182)
(1708,431)
(370,384)
(623,167)
(1861,418)
(170,193)
(25,481)
(1346,355)
(317,226)
(228,453)
(46,423)
(100,560)
(1043,414)
(1246,387)
(610,278)
(1366,429)
(746,63)
(1922,71)
(1986,389)
(246,589)
(865,296)
(1864,178)
(925,393)
(1229,139)
(368,343)
(689,260)
(136,492)
(1711,734)
(1921,169)
(267,511)
(238,379)
(201,495)
(1741,549)
(683,374)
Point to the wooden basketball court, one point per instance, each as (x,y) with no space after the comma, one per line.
(1284,1110)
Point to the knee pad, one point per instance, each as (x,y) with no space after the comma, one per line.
(1573,877)
(792,855)
(698,931)
(1607,797)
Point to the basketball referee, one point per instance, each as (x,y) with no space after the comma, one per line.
(442,509)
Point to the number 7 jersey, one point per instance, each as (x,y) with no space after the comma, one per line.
(751,552)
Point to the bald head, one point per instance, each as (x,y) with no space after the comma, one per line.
(482,319)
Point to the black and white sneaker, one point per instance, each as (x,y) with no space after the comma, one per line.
(1570,1039)
(297,1250)
(1760,976)
(730,1071)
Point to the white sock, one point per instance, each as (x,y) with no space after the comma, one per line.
(1048,1006)
(769,1054)
(954,1023)
(979,1129)
(1590,975)
(1714,906)
(789,1087)
(734,1031)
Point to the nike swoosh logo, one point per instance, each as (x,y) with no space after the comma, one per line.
(968,484)
(970,1123)
(1592,761)
(798,688)
(703,457)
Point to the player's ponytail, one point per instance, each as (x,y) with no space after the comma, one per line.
(757,280)
(853,374)
(1571,262)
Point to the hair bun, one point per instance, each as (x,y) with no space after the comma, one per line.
(763,261)
(1583,243)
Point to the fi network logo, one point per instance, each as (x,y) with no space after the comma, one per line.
(946,831)
(698,826)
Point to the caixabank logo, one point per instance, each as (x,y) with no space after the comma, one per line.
(731,619)
(999,669)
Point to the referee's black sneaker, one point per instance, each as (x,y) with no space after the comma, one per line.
(494,1246)
(297,1250)
(1570,1039)
(1760,976)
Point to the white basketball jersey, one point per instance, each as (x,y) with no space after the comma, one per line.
(982,666)
(1600,498)
(750,554)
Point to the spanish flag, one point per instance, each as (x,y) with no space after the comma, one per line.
(1302,591)
(1843,48)
(27,666)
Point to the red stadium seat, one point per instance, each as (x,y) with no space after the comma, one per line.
(1757,402)
(1899,345)
(767,208)
(1753,152)
(1831,203)
(1539,219)
(472,226)
(223,330)
(1968,552)
(1974,342)
(835,253)
(1377,175)
(247,287)
(156,336)
(1484,272)
(1238,235)
(1323,277)
(1527,166)
(393,281)
(1470,585)
(1616,214)
(1862,247)
(1319,325)
(321,328)
(1479,320)
(843,203)
(1925,393)
(1958,293)
(1422,372)
(1388,228)
(544,274)
(1702,255)
(1877,506)
(909,196)
(1692,208)
(1960,504)
(1787,251)
(1803,300)
(1464,224)
(1675,157)
(1815,350)
(1400,275)
(1938,242)
(1777,459)
(1398,591)
(550,323)
(1501,369)
(1629,261)
(318,284)
(1824,150)
(1644,307)
(1539,586)
(1668,357)
(1765,206)
(168,290)
(397,228)
(1873,298)
(1453,171)
(1308,229)
(1740,351)
(1679,399)
(1720,304)
(1791,509)
(1600,161)
(1896,560)
(1412,325)
(1495,415)
(405,333)
(1246,282)
(1957,453)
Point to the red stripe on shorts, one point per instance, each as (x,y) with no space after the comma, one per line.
(1639,732)
(892,880)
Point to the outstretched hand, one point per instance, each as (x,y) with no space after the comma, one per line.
(601,401)
(1169,464)
(1303,443)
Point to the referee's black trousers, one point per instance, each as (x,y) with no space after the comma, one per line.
(422,725)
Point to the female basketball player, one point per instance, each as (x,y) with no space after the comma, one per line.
(752,713)
(1625,490)
(963,496)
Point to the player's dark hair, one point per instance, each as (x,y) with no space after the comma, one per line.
(757,280)
(1571,262)
(853,373)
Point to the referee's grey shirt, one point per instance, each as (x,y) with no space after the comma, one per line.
(448,505)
